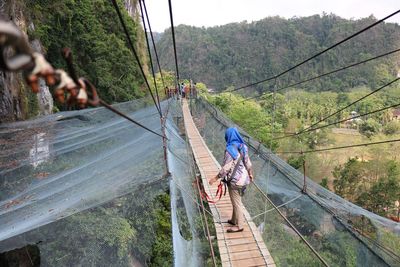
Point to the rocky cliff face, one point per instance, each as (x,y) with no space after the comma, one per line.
(130,6)
(11,106)
(16,100)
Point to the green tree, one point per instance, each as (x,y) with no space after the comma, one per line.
(381,196)
(369,127)
(324,183)
(88,236)
(392,127)
(348,178)
(316,138)
(377,192)
(296,162)
(99,46)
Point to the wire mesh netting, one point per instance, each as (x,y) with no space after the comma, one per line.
(189,239)
(71,161)
(69,186)
(341,232)
(88,188)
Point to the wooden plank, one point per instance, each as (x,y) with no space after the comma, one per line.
(243,247)
(242,255)
(243,235)
(236,249)
(258,261)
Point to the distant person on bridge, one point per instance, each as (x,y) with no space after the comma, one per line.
(194,91)
(187,91)
(166,92)
(182,90)
(237,172)
(176,92)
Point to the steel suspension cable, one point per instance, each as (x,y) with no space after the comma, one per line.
(344,120)
(291,225)
(149,51)
(271,140)
(173,40)
(108,106)
(328,73)
(308,193)
(319,53)
(387,250)
(335,148)
(190,196)
(352,229)
(349,105)
(315,198)
(279,206)
(115,4)
(154,43)
(67,55)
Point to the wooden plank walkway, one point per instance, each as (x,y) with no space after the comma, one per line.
(245,248)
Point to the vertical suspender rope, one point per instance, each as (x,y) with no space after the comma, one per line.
(154,44)
(270,141)
(292,226)
(207,227)
(162,118)
(135,54)
(173,41)
(149,51)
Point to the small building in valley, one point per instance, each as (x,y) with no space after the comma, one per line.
(396,114)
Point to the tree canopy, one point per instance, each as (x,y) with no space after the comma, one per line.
(241,53)
(98,44)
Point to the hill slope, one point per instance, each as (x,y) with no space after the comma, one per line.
(241,53)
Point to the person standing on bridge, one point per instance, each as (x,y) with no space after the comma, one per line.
(237,172)
(182,90)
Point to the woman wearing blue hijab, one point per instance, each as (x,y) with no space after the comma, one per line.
(234,142)
(236,152)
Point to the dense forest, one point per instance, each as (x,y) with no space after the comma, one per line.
(241,53)
(99,46)
(96,38)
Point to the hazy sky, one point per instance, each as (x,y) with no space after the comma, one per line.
(218,12)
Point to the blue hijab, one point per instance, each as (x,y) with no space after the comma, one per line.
(234,142)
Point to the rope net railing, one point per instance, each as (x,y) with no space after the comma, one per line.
(76,175)
(190,242)
(89,188)
(69,162)
(341,232)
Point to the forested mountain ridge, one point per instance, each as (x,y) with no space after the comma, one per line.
(241,53)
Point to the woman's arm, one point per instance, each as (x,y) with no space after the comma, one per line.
(226,166)
(249,167)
